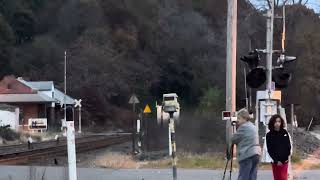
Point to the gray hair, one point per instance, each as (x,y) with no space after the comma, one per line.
(244,113)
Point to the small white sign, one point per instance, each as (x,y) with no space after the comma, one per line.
(273,86)
(138,125)
(226,115)
(37,123)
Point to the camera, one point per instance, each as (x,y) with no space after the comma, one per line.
(234,121)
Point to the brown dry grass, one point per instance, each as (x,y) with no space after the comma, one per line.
(116,160)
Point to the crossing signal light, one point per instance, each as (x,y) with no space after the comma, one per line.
(281,78)
(257,75)
(283,74)
(69,114)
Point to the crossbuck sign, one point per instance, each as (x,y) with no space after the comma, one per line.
(78,103)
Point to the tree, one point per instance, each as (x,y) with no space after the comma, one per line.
(211,102)
(6,43)
(23,25)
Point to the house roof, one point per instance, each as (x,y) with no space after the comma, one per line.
(38,85)
(25,98)
(59,96)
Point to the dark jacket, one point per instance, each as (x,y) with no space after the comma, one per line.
(279,145)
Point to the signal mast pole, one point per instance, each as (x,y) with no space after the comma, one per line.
(231,63)
(72,164)
(270,22)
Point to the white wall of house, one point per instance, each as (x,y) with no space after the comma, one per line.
(10,118)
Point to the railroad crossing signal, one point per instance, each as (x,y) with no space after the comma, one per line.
(257,74)
(252,59)
(281,75)
(69,113)
(78,103)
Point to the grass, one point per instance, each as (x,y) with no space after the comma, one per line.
(296,157)
(315,166)
(213,161)
(191,161)
(205,161)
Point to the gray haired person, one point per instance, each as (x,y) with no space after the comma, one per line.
(248,149)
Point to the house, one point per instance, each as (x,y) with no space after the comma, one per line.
(36,100)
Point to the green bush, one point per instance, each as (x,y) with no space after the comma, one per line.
(296,157)
(211,102)
(8,134)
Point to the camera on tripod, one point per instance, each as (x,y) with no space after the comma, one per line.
(230,116)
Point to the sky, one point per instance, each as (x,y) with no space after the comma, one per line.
(314,4)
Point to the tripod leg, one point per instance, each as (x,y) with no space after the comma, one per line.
(225,169)
(232,146)
(231,162)
(231,168)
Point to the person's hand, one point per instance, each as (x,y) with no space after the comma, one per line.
(279,163)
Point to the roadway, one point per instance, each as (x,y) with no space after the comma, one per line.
(60,173)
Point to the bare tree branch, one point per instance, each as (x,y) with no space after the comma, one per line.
(306,2)
(269,3)
(284,2)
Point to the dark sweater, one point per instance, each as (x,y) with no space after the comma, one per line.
(279,145)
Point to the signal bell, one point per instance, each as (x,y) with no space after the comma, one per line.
(252,59)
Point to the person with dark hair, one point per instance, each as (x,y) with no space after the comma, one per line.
(279,147)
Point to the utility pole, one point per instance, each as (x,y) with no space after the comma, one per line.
(231,63)
(72,164)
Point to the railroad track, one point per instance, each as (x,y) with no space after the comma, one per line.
(10,149)
(51,148)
